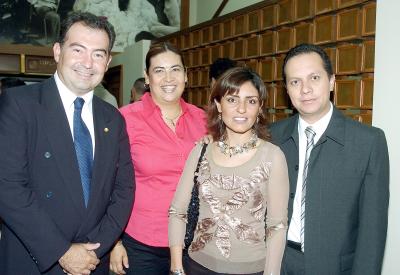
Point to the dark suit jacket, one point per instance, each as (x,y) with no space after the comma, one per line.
(41,197)
(347,195)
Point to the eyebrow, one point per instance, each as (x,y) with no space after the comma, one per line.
(173,66)
(75,44)
(250,96)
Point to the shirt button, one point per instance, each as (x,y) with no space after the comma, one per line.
(47,155)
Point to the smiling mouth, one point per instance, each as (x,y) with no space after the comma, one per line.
(84,74)
(240,119)
(168,89)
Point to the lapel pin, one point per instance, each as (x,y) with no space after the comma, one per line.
(106,130)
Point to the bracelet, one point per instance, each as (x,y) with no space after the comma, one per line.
(178,271)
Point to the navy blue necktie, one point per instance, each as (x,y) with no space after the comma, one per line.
(83,148)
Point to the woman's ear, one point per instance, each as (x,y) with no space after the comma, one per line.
(219,108)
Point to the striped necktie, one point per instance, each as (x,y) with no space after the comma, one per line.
(83,148)
(310,134)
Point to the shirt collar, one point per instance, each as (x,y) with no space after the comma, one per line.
(149,106)
(319,127)
(68,97)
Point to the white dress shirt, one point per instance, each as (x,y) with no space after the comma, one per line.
(319,127)
(68,98)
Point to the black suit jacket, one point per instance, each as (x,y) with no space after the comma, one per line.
(347,195)
(41,197)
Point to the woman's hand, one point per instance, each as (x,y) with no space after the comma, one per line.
(119,259)
(207,139)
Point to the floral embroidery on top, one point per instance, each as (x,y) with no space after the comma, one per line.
(223,223)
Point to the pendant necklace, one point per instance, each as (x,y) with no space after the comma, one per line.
(239,148)
(172,120)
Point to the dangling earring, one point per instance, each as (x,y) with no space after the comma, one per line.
(258,119)
(219,116)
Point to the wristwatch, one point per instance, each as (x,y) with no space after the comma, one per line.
(178,271)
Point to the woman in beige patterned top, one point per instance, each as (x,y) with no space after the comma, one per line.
(243,188)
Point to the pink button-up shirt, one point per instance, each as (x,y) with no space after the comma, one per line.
(159,157)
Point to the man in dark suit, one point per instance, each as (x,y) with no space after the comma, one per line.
(66,176)
(339,176)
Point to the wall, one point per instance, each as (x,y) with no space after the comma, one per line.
(203,10)
(133,63)
(386,104)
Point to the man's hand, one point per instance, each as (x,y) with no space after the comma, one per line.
(119,259)
(80,258)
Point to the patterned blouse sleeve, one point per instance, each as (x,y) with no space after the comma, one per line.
(277,203)
(178,210)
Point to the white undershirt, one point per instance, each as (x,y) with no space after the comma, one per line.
(319,127)
(68,98)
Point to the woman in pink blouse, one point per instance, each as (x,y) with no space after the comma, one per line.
(162,130)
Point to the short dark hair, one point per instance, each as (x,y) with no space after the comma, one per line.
(139,85)
(219,66)
(9,82)
(230,83)
(90,20)
(307,48)
(157,48)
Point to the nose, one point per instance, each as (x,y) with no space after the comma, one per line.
(87,61)
(168,75)
(241,108)
(306,87)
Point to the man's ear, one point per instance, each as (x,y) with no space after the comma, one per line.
(108,62)
(332,83)
(56,51)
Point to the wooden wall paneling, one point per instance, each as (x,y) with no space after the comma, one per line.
(285,38)
(331,52)
(10,63)
(303,9)
(368,56)
(187,58)
(173,41)
(253,64)
(204,77)
(196,38)
(279,63)
(227,49)
(367,92)
(216,32)
(303,33)
(324,29)
(206,35)
(195,78)
(268,69)
(348,59)
(216,52)
(281,97)
(323,6)
(190,77)
(366,117)
(347,93)
(239,25)
(253,46)
(238,49)
(347,3)
(268,16)
(186,41)
(368,19)
(268,43)
(253,21)
(270,95)
(285,11)
(227,29)
(195,57)
(348,24)
(205,56)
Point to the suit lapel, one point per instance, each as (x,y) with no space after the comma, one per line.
(59,135)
